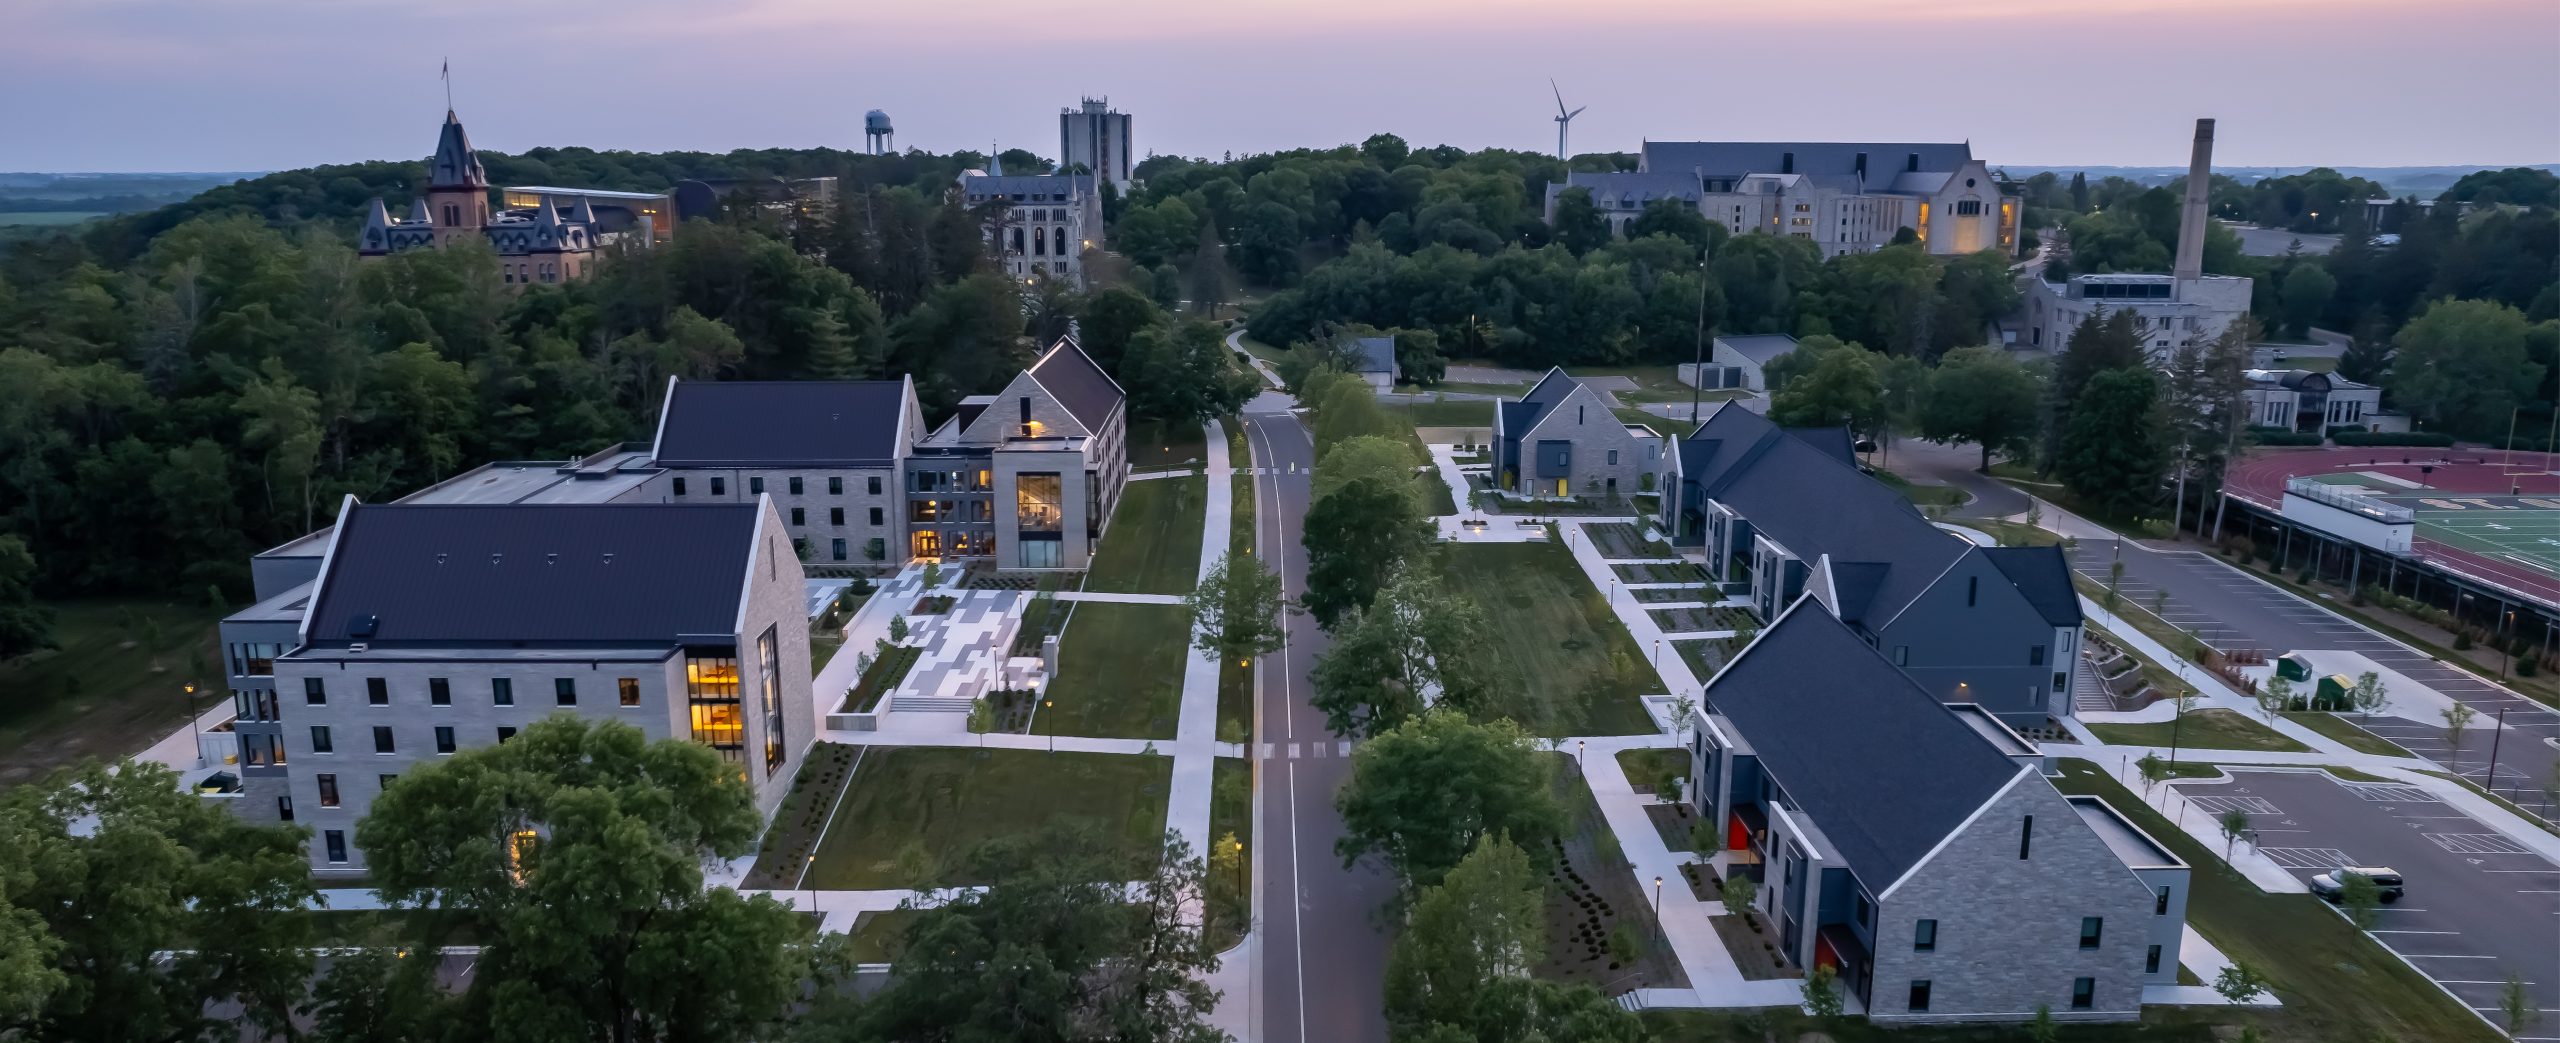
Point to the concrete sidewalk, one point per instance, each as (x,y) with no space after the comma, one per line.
(1195,735)
(1677,678)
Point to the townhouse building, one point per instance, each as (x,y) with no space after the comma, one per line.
(1779,514)
(1562,440)
(1916,847)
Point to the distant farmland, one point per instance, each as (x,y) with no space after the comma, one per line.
(44,218)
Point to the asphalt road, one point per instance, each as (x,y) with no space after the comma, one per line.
(2230,609)
(1928,463)
(2479,909)
(1323,958)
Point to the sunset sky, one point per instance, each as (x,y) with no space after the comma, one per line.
(264,84)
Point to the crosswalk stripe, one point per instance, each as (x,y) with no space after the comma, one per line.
(1293,751)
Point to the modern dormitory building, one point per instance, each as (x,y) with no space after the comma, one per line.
(1562,440)
(1023,479)
(428,629)
(1782,513)
(1915,845)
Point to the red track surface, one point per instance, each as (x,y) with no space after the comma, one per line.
(2259,478)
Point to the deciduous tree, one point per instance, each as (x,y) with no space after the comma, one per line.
(1236,609)
(1415,646)
(2462,366)
(2111,454)
(1983,396)
(1421,795)
(1483,922)
(1357,537)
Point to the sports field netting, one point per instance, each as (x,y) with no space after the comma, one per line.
(2521,530)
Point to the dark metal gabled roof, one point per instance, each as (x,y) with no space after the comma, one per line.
(1883,768)
(781,423)
(1079,384)
(551,574)
(2044,577)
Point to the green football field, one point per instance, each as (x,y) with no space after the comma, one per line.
(2524,530)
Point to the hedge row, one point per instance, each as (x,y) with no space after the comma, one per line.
(2279,436)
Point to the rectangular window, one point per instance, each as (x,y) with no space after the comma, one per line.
(564,691)
(284,810)
(711,694)
(382,739)
(835,485)
(835,515)
(2160,903)
(628,689)
(795,485)
(2026,834)
(2151,960)
(505,734)
(1972,590)
(2091,928)
(799,516)
(679,486)
(2035,655)
(320,739)
(719,486)
(502,691)
(328,789)
(439,692)
(755,486)
(2084,993)
(836,548)
(1613,456)
(336,840)
(875,514)
(1924,938)
(314,693)
(1902,655)
(444,738)
(769,683)
(1920,995)
(1038,502)
(377,691)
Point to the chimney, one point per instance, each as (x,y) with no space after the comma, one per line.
(2191,220)
(1786,163)
(1862,168)
(1911,164)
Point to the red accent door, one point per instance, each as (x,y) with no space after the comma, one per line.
(1736,837)
(1824,955)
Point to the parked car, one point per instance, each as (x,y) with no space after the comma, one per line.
(2332,885)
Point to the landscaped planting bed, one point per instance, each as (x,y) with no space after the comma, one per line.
(982,577)
(884,675)
(1651,595)
(1009,710)
(1624,540)
(1708,656)
(794,833)
(1601,929)
(1754,947)
(934,605)
(1692,620)
(1041,617)
(1660,572)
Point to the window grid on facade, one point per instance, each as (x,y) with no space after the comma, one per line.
(1920,995)
(2084,993)
(336,842)
(711,695)
(2091,929)
(1924,937)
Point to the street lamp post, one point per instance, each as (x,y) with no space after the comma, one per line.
(1051,704)
(1578,745)
(805,867)
(187,695)
(1657,894)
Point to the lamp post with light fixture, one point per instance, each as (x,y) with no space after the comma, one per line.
(187,695)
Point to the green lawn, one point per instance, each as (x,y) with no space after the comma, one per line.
(1154,543)
(2344,730)
(1155,445)
(1231,830)
(114,686)
(1643,767)
(2336,983)
(1923,495)
(1119,672)
(1451,413)
(1669,427)
(2210,729)
(1554,637)
(913,815)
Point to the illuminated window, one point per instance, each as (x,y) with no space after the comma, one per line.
(769,665)
(522,847)
(711,695)
(629,690)
(328,789)
(1036,502)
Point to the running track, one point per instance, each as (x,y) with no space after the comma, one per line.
(2259,478)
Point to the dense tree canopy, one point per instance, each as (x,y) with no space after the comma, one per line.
(1422,794)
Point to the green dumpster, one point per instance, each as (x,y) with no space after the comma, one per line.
(2333,693)
(2293,666)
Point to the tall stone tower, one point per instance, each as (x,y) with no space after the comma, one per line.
(457,187)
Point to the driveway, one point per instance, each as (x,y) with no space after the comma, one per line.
(2230,609)
(1928,463)
(2479,907)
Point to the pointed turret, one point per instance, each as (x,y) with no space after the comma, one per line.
(418,214)
(995,163)
(455,164)
(583,214)
(376,237)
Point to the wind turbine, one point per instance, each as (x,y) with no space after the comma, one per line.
(1564,120)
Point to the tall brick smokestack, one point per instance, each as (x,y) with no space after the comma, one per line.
(2199,193)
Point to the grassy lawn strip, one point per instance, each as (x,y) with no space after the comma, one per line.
(1668,427)
(1155,445)
(2334,980)
(114,687)
(2151,626)
(2014,534)
(1119,672)
(1924,495)
(1231,829)
(2345,731)
(2208,729)
(1646,767)
(1448,413)
(914,814)
(2352,775)
(1555,638)
(884,675)
(1154,543)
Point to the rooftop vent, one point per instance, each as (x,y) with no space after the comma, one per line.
(496,556)
(608,557)
(439,557)
(363,626)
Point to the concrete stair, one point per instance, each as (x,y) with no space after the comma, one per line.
(2089,691)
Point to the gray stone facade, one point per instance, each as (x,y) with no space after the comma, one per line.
(2008,928)
(1579,448)
(1972,638)
(831,527)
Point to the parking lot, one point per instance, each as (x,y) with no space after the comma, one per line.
(2480,907)
(2230,609)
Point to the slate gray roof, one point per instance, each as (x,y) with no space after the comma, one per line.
(1833,441)
(2044,577)
(1377,354)
(1516,417)
(1759,347)
(1835,158)
(1815,502)
(1079,383)
(1032,186)
(1884,769)
(781,423)
(1551,388)
(1640,186)
(450,575)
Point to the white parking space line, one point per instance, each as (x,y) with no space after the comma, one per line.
(2411,932)
(2307,857)
(2250,805)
